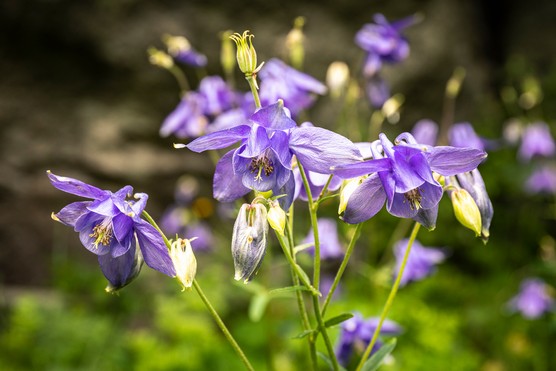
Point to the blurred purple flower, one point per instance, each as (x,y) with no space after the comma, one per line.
(330,246)
(401,176)
(295,88)
(356,334)
(263,161)
(543,180)
(536,140)
(463,135)
(425,132)
(383,42)
(533,300)
(316,182)
(421,262)
(377,91)
(188,119)
(111,227)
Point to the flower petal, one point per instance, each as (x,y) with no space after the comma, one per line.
(427,217)
(153,248)
(227,185)
(288,189)
(257,142)
(220,139)
(279,142)
(75,187)
(354,170)
(121,270)
(448,161)
(72,212)
(273,117)
(365,201)
(104,207)
(122,225)
(318,149)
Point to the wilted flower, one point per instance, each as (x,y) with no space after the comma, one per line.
(356,334)
(401,175)
(421,261)
(111,227)
(536,140)
(533,300)
(184,261)
(296,89)
(249,240)
(182,51)
(543,180)
(330,246)
(383,42)
(263,162)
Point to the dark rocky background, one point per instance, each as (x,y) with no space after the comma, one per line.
(78,96)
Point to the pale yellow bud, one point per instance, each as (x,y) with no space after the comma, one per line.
(294,43)
(276,218)
(337,78)
(227,55)
(176,44)
(185,263)
(160,58)
(348,188)
(466,210)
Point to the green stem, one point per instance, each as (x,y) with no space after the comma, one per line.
(324,189)
(322,328)
(205,300)
(342,268)
(252,80)
(222,326)
(391,297)
(180,78)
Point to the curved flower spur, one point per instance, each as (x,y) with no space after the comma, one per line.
(110,226)
(401,176)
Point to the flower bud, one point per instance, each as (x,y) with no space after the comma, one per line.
(184,261)
(473,183)
(160,58)
(294,43)
(227,55)
(246,54)
(337,78)
(348,188)
(466,210)
(249,240)
(277,218)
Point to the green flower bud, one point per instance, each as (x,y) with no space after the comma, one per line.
(246,54)
(277,218)
(227,55)
(249,240)
(185,263)
(294,43)
(159,58)
(466,210)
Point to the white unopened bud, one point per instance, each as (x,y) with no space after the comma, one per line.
(337,78)
(185,263)
(277,218)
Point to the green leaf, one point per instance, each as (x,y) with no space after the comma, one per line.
(304,334)
(338,319)
(285,291)
(257,307)
(376,360)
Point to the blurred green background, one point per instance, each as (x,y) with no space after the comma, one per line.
(78,97)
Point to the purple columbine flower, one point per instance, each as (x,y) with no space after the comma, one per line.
(330,246)
(543,180)
(421,262)
(536,140)
(263,161)
(111,227)
(533,300)
(463,135)
(356,334)
(296,89)
(401,176)
(425,131)
(182,51)
(377,91)
(383,42)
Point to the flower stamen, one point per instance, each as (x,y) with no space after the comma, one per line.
(414,198)
(103,233)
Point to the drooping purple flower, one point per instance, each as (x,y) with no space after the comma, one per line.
(536,140)
(421,262)
(425,132)
(463,135)
(383,42)
(295,88)
(263,161)
(533,300)
(377,91)
(110,226)
(330,246)
(217,95)
(543,180)
(401,176)
(356,334)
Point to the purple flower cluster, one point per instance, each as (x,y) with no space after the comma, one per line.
(533,300)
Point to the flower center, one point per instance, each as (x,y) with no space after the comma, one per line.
(260,165)
(102,232)
(414,198)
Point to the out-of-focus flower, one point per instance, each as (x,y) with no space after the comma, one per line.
(356,334)
(543,180)
(463,135)
(330,246)
(296,89)
(533,300)
(383,42)
(536,141)
(401,176)
(377,90)
(110,226)
(249,240)
(425,132)
(337,78)
(182,51)
(421,262)
(263,161)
